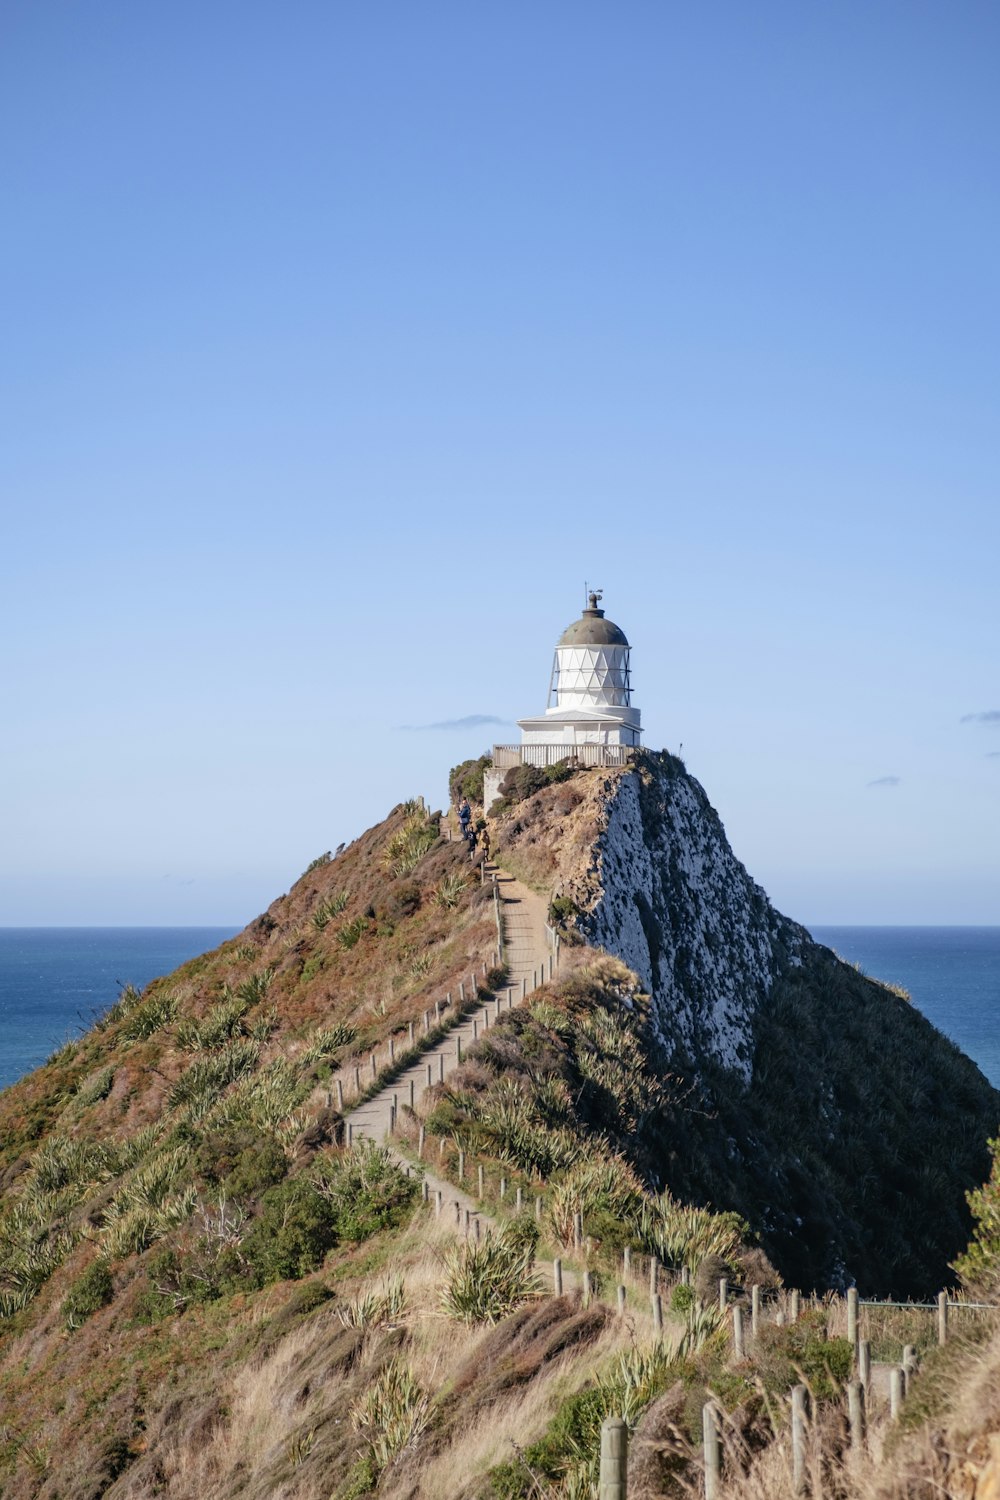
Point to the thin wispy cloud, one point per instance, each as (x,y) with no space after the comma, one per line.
(471,721)
(885,781)
(988,716)
(993,755)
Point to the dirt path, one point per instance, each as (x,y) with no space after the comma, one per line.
(527,958)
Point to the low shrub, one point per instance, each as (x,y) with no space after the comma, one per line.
(291,1234)
(466,780)
(364,1191)
(92,1290)
(486,1281)
(332,906)
(351,933)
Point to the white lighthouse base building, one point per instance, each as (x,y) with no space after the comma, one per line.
(590,716)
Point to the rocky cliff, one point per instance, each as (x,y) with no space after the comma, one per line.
(822,1105)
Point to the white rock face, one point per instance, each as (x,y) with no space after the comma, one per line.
(675,904)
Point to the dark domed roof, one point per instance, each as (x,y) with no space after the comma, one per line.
(592,629)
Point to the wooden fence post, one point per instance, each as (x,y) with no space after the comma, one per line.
(856,1415)
(754,1311)
(587,1288)
(557,1276)
(723,1293)
(798,1438)
(942,1317)
(340,1096)
(577,1231)
(852,1318)
(654,1275)
(622,1295)
(657,1304)
(895,1391)
(481,1181)
(909,1366)
(713,1457)
(865,1363)
(626,1264)
(793,1306)
(739,1349)
(461,1166)
(614,1459)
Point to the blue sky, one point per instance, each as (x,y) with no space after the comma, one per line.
(341,343)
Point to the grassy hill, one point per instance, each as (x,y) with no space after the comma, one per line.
(204,1292)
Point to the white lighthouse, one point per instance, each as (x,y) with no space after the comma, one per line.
(590,716)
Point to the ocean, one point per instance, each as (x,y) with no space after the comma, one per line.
(56,981)
(952,974)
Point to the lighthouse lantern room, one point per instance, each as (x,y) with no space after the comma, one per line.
(590,691)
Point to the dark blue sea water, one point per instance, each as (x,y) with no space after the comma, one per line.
(952,973)
(56,981)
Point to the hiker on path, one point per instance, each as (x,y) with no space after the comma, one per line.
(464,816)
(484,839)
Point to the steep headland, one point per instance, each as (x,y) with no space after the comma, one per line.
(206,1290)
(822,1106)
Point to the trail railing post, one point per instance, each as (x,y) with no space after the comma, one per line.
(856,1416)
(654,1276)
(852,1318)
(656,1302)
(942,1317)
(793,1306)
(622,1297)
(909,1366)
(481,1181)
(754,1311)
(723,1293)
(895,1391)
(739,1347)
(557,1276)
(340,1096)
(577,1231)
(614,1459)
(798,1438)
(626,1264)
(587,1288)
(865,1363)
(713,1455)
(421,1138)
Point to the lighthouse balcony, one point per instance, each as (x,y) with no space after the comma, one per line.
(506,757)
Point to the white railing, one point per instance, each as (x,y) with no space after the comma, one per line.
(506,757)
